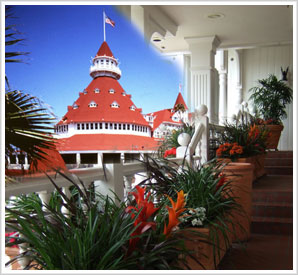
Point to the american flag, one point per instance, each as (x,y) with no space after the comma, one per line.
(109,21)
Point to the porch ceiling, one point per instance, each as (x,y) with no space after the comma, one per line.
(241,26)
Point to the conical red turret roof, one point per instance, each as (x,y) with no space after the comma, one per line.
(180,100)
(105,50)
(103,112)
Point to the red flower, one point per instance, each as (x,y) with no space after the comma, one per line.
(221,181)
(145,210)
(11,239)
(170,152)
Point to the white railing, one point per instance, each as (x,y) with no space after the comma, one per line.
(115,175)
(118,175)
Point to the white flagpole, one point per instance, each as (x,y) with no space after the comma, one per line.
(104,26)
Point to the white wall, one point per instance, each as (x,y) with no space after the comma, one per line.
(258,63)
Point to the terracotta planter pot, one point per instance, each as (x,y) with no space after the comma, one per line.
(203,248)
(251,160)
(12,252)
(260,165)
(273,138)
(240,176)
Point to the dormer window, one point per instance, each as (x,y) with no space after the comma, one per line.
(132,108)
(92,104)
(175,118)
(85,91)
(75,106)
(111,91)
(96,90)
(115,105)
(123,93)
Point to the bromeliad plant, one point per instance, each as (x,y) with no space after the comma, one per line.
(242,140)
(97,233)
(209,200)
(157,237)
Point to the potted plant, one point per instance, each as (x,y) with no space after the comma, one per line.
(170,143)
(209,202)
(270,99)
(98,233)
(244,142)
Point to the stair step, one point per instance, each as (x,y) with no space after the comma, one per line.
(272,197)
(279,162)
(279,170)
(272,225)
(279,154)
(273,209)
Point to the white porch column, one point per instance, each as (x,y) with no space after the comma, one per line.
(221,57)
(204,76)
(114,183)
(45,197)
(239,94)
(78,159)
(235,94)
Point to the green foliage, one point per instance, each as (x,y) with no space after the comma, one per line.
(12,37)
(250,139)
(171,140)
(270,98)
(28,122)
(95,235)
(200,185)
(205,187)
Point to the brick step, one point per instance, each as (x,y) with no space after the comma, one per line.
(264,209)
(279,170)
(279,154)
(272,225)
(279,162)
(274,196)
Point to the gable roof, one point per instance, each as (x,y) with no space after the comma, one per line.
(163,116)
(103,111)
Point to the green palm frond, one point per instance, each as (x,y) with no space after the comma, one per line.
(27,124)
(12,38)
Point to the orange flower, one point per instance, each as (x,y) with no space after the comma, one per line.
(239,151)
(219,152)
(146,209)
(174,212)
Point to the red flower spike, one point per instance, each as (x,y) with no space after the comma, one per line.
(145,210)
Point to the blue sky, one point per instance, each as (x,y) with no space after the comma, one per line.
(61,41)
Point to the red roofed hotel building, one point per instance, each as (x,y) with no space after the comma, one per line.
(104,118)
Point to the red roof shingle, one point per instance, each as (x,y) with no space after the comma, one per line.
(104,112)
(105,50)
(110,142)
(180,100)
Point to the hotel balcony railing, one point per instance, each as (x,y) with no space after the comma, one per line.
(114,172)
